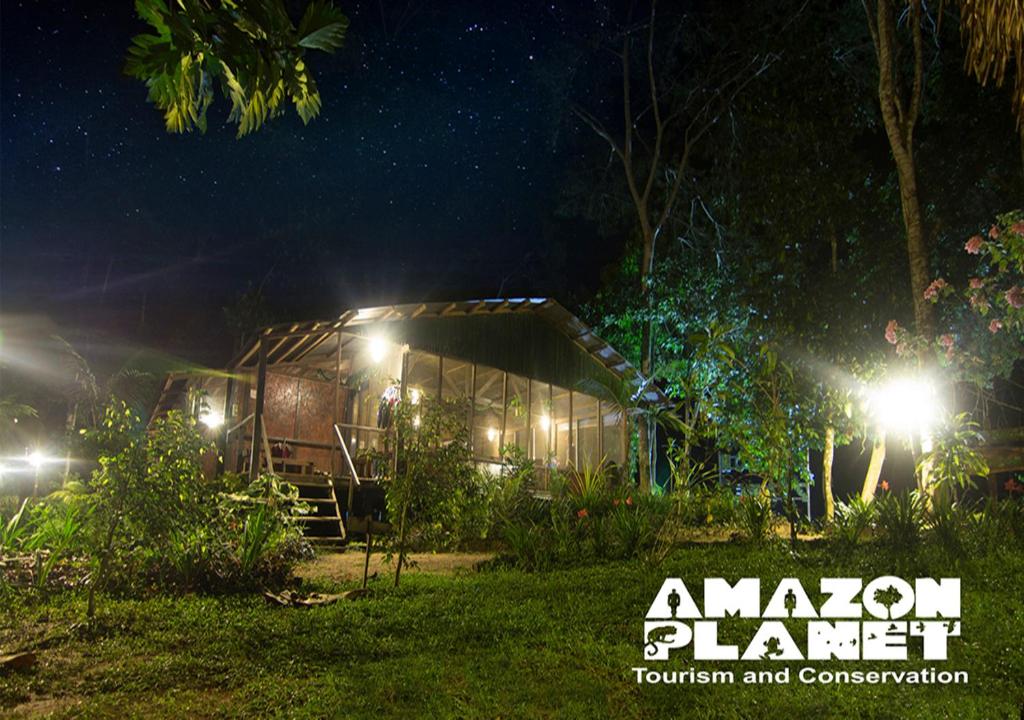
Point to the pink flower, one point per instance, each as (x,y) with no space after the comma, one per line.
(995,326)
(890,332)
(979,302)
(932,291)
(976,283)
(629,500)
(946,341)
(1015,296)
(1013,487)
(582,513)
(993,232)
(615,502)
(884,485)
(1018,227)
(973,246)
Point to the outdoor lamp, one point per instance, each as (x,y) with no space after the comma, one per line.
(906,405)
(36,459)
(378,348)
(211,419)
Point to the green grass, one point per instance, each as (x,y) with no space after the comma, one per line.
(492,644)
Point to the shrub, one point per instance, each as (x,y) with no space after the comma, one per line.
(702,505)
(900,519)
(952,527)
(755,517)
(853,519)
(146,518)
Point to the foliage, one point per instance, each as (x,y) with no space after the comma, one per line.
(900,519)
(853,520)
(755,517)
(705,504)
(955,459)
(252,50)
(434,491)
(146,519)
(993,33)
(574,527)
(771,429)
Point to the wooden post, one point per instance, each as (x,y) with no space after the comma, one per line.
(229,417)
(504,415)
(572,454)
(257,420)
(369,545)
(472,409)
(335,469)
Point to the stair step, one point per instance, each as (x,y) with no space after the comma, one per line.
(317,518)
(323,501)
(307,481)
(326,542)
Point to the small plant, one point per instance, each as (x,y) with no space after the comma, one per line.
(952,524)
(755,516)
(15,530)
(901,518)
(853,519)
(955,459)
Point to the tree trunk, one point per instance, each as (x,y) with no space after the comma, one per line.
(899,116)
(646,364)
(401,542)
(917,251)
(867,493)
(826,473)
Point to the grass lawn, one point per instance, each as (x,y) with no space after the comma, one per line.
(491,644)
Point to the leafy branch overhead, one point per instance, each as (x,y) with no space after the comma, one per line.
(251,49)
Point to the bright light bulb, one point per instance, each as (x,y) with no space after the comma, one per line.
(378,348)
(906,405)
(36,459)
(545,422)
(415,421)
(492,434)
(211,419)
(414,396)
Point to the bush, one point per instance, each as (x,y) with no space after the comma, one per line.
(756,519)
(146,519)
(852,521)
(703,505)
(900,519)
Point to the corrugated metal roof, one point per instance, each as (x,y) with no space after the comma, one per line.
(290,342)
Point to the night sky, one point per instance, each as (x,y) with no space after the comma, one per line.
(432,172)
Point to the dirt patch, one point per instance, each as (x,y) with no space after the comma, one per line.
(42,707)
(348,566)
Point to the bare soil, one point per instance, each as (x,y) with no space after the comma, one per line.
(347,566)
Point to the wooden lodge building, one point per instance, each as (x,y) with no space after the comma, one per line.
(305,397)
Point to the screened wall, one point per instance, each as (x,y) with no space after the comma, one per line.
(553,425)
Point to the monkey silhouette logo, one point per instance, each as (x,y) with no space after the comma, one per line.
(663,634)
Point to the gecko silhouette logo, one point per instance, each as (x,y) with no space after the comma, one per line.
(888,618)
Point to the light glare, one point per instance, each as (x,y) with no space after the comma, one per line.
(906,405)
(378,348)
(211,419)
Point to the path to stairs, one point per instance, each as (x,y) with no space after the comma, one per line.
(348,566)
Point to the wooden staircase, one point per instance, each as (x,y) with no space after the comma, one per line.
(173,396)
(323,524)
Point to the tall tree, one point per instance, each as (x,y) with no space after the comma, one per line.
(666,110)
(900,101)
